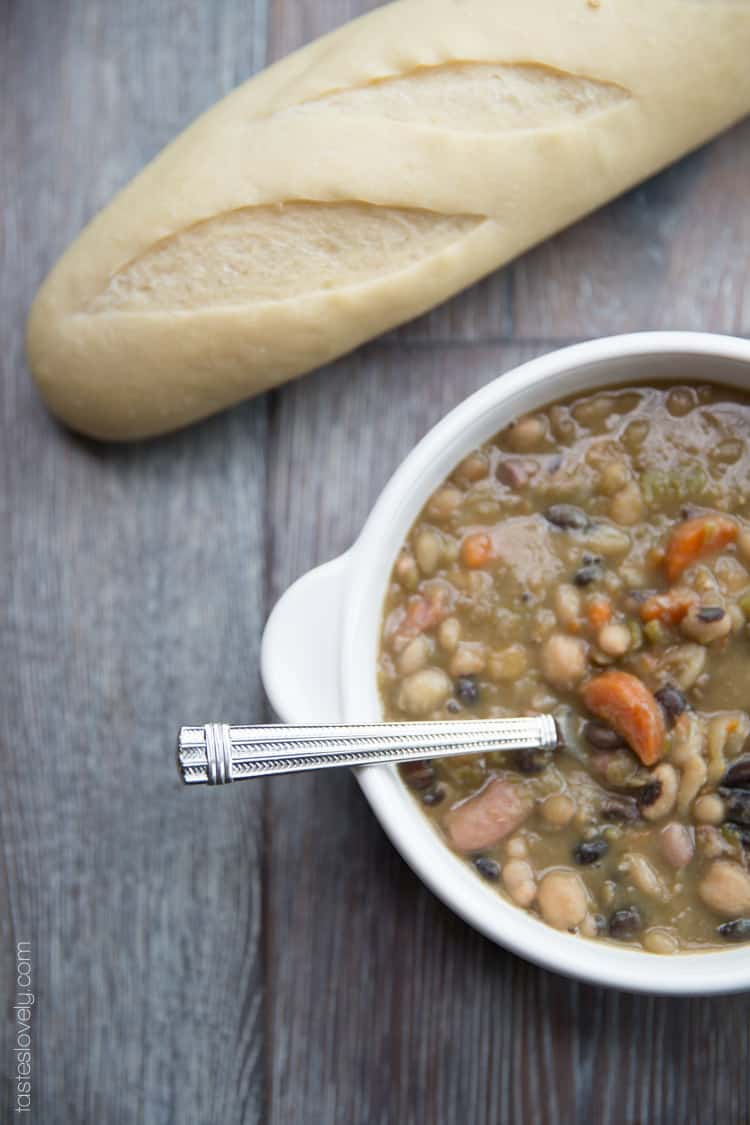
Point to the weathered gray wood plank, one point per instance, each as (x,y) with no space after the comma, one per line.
(131,595)
(670,254)
(383,1006)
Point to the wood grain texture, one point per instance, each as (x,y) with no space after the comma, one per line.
(263,954)
(132,597)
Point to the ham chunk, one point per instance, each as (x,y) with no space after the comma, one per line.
(492,814)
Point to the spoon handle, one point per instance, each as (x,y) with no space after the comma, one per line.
(216,754)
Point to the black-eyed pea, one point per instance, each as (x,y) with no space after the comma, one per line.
(469,659)
(626,506)
(709,809)
(424,691)
(563,661)
(558,811)
(519,882)
(666,775)
(449,634)
(563,900)
(507,664)
(706,624)
(526,434)
(415,656)
(725,889)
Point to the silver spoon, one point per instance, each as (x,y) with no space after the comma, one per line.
(217,753)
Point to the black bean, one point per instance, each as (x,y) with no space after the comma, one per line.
(646,794)
(434,796)
(529,761)
(740,831)
(589,851)
(737,802)
(625,923)
(738,775)
(616,807)
(526,597)
(600,923)
(736,930)
(602,737)
(672,702)
(487,868)
(587,574)
(709,613)
(418,775)
(568,517)
(453,706)
(467,689)
(591,560)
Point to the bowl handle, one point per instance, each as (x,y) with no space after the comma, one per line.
(300,655)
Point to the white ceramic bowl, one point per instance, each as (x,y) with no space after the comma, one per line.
(320,645)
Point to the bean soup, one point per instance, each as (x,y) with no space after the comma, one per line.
(592,561)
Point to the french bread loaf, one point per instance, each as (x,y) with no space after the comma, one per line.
(362,180)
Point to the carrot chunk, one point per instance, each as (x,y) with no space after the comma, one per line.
(670,607)
(626,704)
(476,550)
(695,538)
(599,611)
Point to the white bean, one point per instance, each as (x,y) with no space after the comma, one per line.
(627,505)
(645,877)
(661,941)
(519,882)
(526,434)
(469,659)
(687,739)
(444,502)
(428,550)
(449,633)
(665,802)
(726,889)
(693,778)
(558,810)
(516,848)
(709,809)
(567,605)
(563,900)
(424,691)
(414,656)
(563,660)
(614,639)
(677,844)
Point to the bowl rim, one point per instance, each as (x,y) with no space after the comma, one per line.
(543,379)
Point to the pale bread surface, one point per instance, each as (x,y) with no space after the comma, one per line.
(364,179)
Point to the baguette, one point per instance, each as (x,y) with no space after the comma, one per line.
(363,179)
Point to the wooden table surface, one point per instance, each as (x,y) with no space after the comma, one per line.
(263,954)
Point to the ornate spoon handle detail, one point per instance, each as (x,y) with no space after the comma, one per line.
(216,754)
